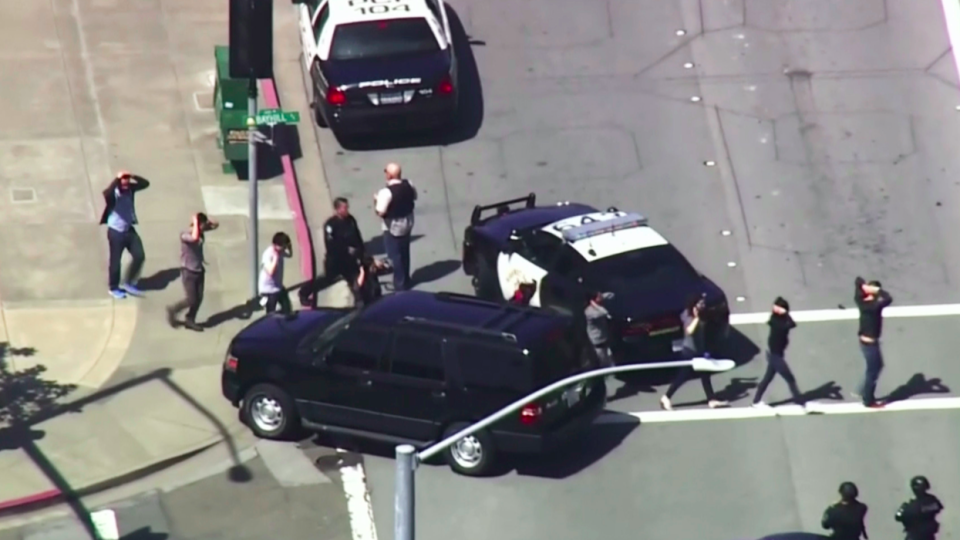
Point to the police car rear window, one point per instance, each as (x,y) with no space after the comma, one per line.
(382,39)
(648,267)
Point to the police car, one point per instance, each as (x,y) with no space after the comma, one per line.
(379,65)
(569,250)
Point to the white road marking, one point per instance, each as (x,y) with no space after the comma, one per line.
(359,506)
(288,465)
(951,14)
(105,522)
(851,314)
(740,413)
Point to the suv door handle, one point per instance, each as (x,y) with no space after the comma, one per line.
(439,394)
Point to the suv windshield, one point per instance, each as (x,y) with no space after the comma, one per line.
(642,268)
(382,39)
(324,336)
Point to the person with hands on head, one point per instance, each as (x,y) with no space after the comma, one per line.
(780,323)
(871,300)
(192,271)
(120,216)
(845,518)
(271,273)
(694,346)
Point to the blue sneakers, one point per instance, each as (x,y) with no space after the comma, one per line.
(131,289)
(118,294)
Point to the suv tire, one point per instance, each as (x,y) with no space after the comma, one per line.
(470,456)
(270,413)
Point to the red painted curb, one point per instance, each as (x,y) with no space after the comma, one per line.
(304,241)
(30,499)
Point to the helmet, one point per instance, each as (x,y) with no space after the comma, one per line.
(919,484)
(848,491)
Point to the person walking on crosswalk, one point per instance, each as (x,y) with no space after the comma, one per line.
(780,323)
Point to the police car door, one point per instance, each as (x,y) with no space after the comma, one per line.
(526,260)
(313,14)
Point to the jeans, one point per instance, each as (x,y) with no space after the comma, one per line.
(278,298)
(604,355)
(119,242)
(874,358)
(193,285)
(777,365)
(687,373)
(398,251)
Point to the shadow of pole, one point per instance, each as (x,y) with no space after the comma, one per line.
(72,499)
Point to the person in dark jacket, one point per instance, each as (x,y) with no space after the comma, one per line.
(780,323)
(871,300)
(120,216)
(395,204)
(845,518)
(344,243)
(367,289)
(919,514)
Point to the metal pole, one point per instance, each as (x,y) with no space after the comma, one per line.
(403,503)
(252,178)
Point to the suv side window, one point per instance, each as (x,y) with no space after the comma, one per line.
(359,348)
(417,355)
(485,367)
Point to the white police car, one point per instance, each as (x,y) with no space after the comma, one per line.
(571,250)
(379,65)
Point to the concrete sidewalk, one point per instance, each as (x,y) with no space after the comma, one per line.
(94,391)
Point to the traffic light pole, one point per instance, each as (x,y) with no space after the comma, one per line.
(252,178)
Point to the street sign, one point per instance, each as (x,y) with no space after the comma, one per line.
(277,116)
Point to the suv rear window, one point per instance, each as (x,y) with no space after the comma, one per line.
(380,39)
(559,358)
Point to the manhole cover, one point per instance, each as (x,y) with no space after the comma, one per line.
(23,195)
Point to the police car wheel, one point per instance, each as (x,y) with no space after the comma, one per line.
(471,456)
(317,112)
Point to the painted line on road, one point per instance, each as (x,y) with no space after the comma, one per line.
(359,505)
(105,523)
(951,14)
(741,413)
(851,314)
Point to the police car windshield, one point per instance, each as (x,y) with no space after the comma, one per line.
(382,39)
(642,268)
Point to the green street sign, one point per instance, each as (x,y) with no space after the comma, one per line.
(277,116)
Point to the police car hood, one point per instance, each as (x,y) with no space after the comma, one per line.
(639,300)
(429,68)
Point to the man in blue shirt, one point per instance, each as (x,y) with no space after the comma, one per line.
(120,215)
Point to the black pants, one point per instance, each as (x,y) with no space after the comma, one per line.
(687,373)
(398,251)
(777,365)
(874,358)
(193,283)
(278,298)
(119,242)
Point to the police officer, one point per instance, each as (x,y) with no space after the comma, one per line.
(845,518)
(344,244)
(919,514)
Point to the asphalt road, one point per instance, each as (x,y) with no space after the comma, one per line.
(830,131)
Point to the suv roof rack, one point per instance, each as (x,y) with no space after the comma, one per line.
(461,328)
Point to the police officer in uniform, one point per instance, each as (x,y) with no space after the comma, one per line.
(845,518)
(344,243)
(919,514)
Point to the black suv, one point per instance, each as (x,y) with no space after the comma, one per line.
(415,367)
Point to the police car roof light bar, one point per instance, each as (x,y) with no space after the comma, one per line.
(597,228)
(530,200)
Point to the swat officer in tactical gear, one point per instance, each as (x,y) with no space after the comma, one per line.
(919,514)
(845,518)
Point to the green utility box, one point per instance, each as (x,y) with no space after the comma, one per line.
(230,106)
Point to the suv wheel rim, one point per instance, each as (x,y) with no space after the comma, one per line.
(467,452)
(266,413)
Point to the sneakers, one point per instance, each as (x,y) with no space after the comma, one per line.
(119,294)
(760,405)
(717,404)
(192,325)
(131,289)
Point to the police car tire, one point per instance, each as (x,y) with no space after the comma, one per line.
(484,465)
(317,111)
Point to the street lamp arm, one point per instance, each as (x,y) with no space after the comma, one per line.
(700,364)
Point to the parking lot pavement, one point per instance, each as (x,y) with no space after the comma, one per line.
(820,136)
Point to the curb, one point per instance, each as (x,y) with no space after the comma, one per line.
(304,241)
(39,501)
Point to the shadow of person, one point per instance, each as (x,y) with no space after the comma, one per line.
(737,389)
(158,281)
(829,391)
(243,311)
(916,385)
(433,271)
(145,533)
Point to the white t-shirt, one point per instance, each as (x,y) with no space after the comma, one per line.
(271,284)
(396,226)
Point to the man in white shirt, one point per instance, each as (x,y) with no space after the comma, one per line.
(395,203)
(271,273)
